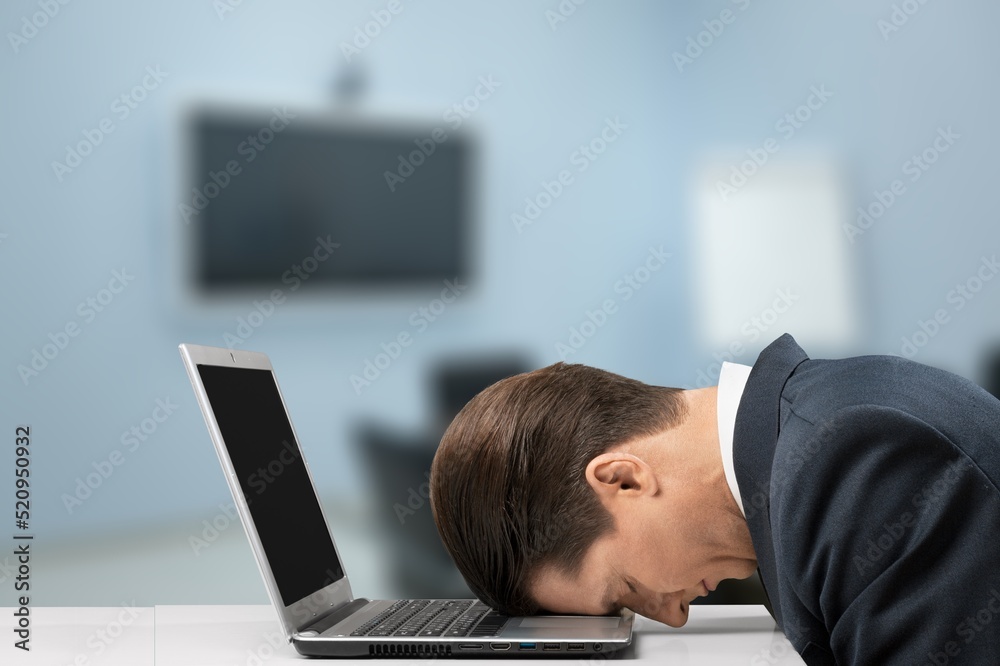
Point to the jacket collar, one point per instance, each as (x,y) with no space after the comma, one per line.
(754,439)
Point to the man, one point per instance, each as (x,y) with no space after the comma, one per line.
(864,489)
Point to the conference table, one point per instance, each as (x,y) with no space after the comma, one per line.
(249,636)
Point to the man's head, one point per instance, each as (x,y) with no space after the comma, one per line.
(544,481)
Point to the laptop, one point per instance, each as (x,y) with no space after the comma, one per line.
(304,575)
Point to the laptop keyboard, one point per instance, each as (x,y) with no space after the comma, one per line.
(434,617)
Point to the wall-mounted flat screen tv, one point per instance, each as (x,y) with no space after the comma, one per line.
(267,189)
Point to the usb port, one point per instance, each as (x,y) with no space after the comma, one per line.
(499,646)
(575,646)
(526,646)
(550,646)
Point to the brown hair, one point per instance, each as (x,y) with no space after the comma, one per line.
(508,486)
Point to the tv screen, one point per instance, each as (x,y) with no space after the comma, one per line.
(332,204)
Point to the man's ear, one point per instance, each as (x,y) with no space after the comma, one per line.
(617,475)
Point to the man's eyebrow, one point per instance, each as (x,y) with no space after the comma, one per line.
(608,604)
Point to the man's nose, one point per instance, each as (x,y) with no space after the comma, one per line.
(667,609)
(676,617)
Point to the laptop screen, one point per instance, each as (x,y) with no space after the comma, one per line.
(273,476)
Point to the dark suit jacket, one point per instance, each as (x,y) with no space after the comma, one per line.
(870,486)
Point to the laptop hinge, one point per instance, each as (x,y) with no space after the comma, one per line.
(337,615)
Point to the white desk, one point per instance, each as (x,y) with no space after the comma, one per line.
(249,636)
(82,636)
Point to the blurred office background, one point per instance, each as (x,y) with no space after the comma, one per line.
(647,187)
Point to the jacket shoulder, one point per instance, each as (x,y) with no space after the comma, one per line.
(879,521)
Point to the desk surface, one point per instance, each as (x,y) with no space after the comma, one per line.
(249,636)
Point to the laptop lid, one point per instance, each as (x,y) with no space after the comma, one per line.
(270,481)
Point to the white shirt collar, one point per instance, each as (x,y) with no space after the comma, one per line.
(732,380)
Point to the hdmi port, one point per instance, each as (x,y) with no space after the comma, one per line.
(551,646)
(499,646)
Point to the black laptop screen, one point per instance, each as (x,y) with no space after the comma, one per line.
(270,469)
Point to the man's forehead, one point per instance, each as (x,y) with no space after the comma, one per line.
(591,591)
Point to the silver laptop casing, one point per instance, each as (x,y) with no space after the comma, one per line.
(301,614)
(320,624)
